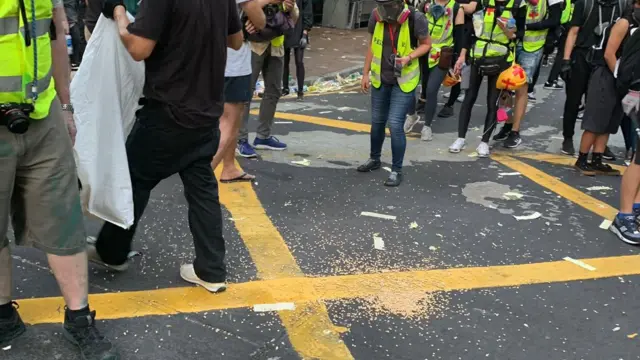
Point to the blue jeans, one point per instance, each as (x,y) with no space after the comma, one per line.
(389,102)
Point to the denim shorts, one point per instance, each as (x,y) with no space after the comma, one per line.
(237,89)
(528,60)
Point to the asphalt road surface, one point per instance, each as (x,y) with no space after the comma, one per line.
(445,270)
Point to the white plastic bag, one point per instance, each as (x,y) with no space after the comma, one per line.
(104,94)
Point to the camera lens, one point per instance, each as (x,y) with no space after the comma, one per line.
(17,121)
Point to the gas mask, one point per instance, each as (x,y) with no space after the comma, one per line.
(436,11)
(390,11)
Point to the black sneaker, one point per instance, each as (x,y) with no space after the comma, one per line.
(11,327)
(285,91)
(300,97)
(369,165)
(446,112)
(585,168)
(608,154)
(567,147)
(513,140)
(502,135)
(626,229)
(395,178)
(636,213)
(553,86)
(604,169)
(83,333)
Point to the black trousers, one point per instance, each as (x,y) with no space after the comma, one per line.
(157,148)
(299,59)
(575,88)
(557,62)
(470,99)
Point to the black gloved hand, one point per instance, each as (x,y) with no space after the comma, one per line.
(565,70)
(109,6)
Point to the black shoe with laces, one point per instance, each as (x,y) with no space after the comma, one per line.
(11,327)
(300,97)
(395,178)
(604,169)
(567,147)
(585,168)
(285,91)
(369,165)
(502,135)
(83,333)
(513,140)
(608,154)
(446,112)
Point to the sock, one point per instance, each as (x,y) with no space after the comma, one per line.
(6,310)
(623,216)
(507,127)
(582,157)
(636,207)
(596,158)
(74,314)
(516,132)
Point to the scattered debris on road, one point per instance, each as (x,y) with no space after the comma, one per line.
(274,307)
(379,216)
(532,216)
(580,263)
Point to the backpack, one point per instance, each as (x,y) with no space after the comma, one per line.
(596,53)
(589,5)
(629,64)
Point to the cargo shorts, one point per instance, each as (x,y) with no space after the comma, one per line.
(39,187)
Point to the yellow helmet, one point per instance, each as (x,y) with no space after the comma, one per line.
(451,79)
(512,78)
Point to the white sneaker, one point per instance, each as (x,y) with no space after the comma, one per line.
(426,134)
(94,257)
(483,150)
(188,273)
(410,122)
(458,146)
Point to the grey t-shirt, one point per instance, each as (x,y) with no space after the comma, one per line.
(420,31)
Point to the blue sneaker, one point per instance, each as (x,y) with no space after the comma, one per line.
(625,227)
(271,143)
(245,150)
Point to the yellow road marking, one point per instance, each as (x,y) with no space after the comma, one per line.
(305,292)
(558,159)
(309,328)
(543,179)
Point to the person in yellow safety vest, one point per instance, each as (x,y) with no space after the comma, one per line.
(39,183)
(496,24)
(446,28)
(266,58)
(542,15)
(565,19)
(399,36)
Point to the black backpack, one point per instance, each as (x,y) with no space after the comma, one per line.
(629,66)
(596,53)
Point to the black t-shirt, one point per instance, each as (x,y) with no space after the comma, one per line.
(586,36)
(92,14)
(185,71)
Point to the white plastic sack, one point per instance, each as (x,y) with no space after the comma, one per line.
(104,94)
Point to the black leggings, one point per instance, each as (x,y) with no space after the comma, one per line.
(299,56)
(475,80)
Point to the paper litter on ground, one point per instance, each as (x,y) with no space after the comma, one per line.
(378,243)
(509,174)
(413,225)
(6,348)
(283,122)
(303,162)
(599,188)
(473,154)
(433,248)
(533,216)
(387,168)
(274,307)
(580,263)
(512,196)
(632,336)
(606,224)
(379,216)
(617,328)
(325,112)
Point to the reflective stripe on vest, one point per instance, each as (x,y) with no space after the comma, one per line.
(567,12)
(17,70)
(534,39)
(441,32)
(410,75)
(493,42)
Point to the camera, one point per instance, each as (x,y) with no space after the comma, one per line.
(16,117)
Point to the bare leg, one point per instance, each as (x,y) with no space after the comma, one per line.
(228,134)
(6,285)
(629,188)
(600,143)
(71,272)
(520,108)
(588,139)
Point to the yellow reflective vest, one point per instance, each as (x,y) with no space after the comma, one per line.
(410,76)
(567,13)
(441,32)
(534,39)
(18,70)
(493,42)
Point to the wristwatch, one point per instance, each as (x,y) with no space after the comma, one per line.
(67,107)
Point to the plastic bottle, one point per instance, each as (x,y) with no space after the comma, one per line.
(69,44)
